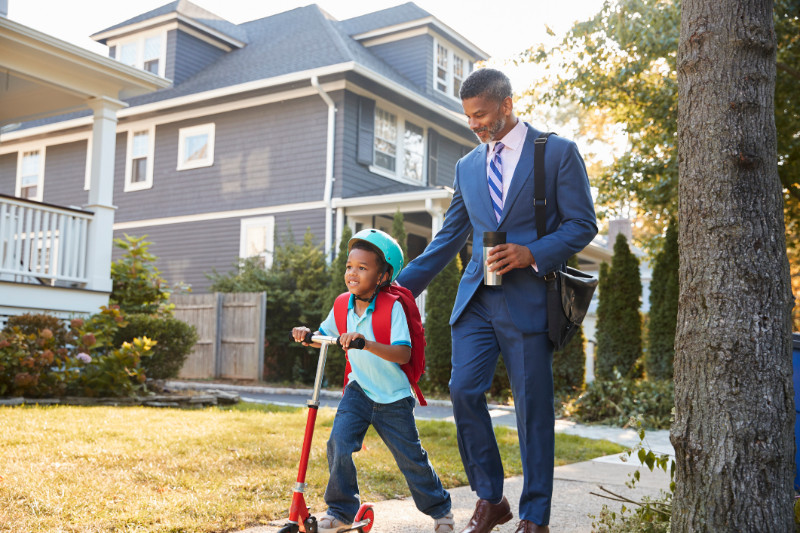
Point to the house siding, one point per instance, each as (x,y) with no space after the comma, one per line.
(188,55)
(449,154)
(187,252)
(8,173)
(65,174)
(261,154)
(410,57)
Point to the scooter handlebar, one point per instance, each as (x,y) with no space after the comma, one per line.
(358,344)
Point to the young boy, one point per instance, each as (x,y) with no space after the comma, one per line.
(378,392)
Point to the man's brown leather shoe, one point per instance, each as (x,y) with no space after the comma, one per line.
(488,515)
(526,526)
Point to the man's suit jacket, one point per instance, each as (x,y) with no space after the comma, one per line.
(571,225)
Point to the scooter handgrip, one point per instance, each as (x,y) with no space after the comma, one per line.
(308,337)
(358,344)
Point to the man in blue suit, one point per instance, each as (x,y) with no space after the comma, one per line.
(494,192)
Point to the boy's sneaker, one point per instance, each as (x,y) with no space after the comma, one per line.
(445,524)
(329,524)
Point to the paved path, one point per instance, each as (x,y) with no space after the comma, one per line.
(573,484)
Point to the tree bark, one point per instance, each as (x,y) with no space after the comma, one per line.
(734,418)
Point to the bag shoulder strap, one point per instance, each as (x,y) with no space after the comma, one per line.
(382,317)
(539,194)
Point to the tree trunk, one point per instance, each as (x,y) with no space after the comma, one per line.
(733,430)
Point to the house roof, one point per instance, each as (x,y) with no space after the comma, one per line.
(179,7)
(300,40)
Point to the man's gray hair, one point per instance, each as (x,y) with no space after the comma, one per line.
(487,82)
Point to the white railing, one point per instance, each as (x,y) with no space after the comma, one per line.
(42,243)
(421,304)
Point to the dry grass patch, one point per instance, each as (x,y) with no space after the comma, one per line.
(87,469)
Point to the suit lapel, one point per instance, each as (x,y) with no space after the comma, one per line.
(481,184)
(522,173)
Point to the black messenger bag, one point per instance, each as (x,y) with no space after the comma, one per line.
(569,291)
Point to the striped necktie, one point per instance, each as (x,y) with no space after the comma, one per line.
(496,180)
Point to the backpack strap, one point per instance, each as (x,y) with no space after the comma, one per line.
(340,316)
(384,320)
(539,199)
(382,317)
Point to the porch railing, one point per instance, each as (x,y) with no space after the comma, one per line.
(42,243)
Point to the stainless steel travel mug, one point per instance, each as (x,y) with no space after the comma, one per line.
(490,240)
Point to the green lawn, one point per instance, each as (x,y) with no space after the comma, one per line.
(82,469)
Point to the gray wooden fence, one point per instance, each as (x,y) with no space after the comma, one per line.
(230,330)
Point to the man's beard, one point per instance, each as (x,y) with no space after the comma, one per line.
(492,130)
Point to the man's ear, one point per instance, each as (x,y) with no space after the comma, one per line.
(507,106)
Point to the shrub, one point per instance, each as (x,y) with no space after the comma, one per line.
(615,402)
(40,362)
(619,324)
(651,515)
(174,341)
(335,365)
(663,308)
(137,284)
(438,308)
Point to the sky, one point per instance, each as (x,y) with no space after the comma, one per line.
(502,31)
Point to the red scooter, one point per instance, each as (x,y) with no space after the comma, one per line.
(300,519)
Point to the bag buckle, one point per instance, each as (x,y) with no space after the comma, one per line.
(540,140)
(550,276)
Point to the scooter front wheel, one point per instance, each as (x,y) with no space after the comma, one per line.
(289,528)
(365,515)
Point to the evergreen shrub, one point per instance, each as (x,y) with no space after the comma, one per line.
(174,341)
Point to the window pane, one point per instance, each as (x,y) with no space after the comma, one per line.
(29,193)
(30,168)
(441,67)
(414,150)
(152,48)
(140,144)
(139,170)
(256,240)
(151,66)
(196,147)
(458,75)
(385,139)
(127,54)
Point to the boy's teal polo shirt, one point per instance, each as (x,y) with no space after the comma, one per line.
(381,380)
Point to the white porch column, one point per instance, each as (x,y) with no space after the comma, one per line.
(101,192)
(437,216)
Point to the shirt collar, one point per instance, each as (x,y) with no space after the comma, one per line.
(352,303)
(513,139)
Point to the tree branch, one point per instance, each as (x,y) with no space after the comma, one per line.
(793,72)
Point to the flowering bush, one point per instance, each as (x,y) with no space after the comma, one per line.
(40,357)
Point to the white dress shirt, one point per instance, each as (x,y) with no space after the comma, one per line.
(509,157)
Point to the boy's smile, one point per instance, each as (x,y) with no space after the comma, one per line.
(361,273)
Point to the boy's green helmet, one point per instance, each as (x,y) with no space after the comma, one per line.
(392,253)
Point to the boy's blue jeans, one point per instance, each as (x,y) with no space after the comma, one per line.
(395,424)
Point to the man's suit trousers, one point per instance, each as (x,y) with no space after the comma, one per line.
(481,333)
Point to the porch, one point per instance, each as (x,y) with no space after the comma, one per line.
(44,263)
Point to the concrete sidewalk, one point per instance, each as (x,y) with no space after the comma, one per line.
(573,488)
(573,500)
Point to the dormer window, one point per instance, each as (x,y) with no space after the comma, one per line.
(147,52)
(451,69)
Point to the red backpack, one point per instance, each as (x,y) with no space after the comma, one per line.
(382,326)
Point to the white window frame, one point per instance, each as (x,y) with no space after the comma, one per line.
(139,40)
(42,149)
(269,223)
(184,133)
(399,170)
(451,65)
(148,182)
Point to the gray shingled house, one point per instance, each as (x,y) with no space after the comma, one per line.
(294,120)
